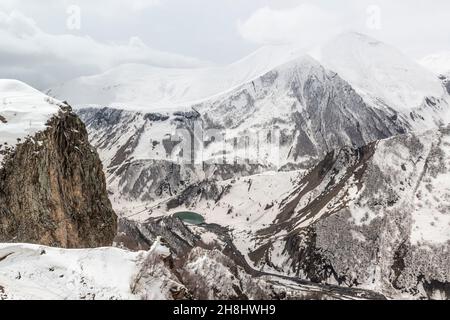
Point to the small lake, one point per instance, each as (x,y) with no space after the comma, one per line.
(190,217)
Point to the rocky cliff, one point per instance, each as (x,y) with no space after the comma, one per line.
(53,190)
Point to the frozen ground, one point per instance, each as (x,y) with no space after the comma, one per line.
(23,112)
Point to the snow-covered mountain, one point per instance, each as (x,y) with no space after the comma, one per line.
(374,217)
(309,109)
(381,74)
(357,219)
(306,109)
(385,77)
(318,176)
(338,203)
(23,112)
(438,63)
(143,87)
(52,192)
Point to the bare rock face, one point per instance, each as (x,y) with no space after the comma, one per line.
(446,81)
(53,190)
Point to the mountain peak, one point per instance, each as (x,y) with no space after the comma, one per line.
(379,72)
(24,110)
(12,85)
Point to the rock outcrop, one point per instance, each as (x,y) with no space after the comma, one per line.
(446,81)
(53,190)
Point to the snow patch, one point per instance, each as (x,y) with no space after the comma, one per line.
(23,112)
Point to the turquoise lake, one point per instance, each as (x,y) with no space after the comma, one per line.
(190,217)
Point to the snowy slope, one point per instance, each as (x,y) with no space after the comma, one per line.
(381,74)
(38,272)
(23,112)
(143,87)
(379,93)
(247,203)
(438,63)
(32,272)
(305,109)
(374,217)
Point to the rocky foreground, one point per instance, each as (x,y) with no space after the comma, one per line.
(52,186)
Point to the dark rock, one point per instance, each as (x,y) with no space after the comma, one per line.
(53,191)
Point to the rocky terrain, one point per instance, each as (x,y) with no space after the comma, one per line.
(375,217)
(52,186)
(179,269)
(446,81)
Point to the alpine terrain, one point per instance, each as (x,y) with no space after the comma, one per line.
(285,175)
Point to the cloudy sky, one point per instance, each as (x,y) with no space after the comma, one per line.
(50,41)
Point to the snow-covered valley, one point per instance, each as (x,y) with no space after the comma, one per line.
(316,176)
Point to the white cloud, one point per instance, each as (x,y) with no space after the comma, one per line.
(138,5)
(29,54)
(44,50)
(305,25)
(415,26)
(102,7)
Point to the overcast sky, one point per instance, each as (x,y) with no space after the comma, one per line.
(48,41)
